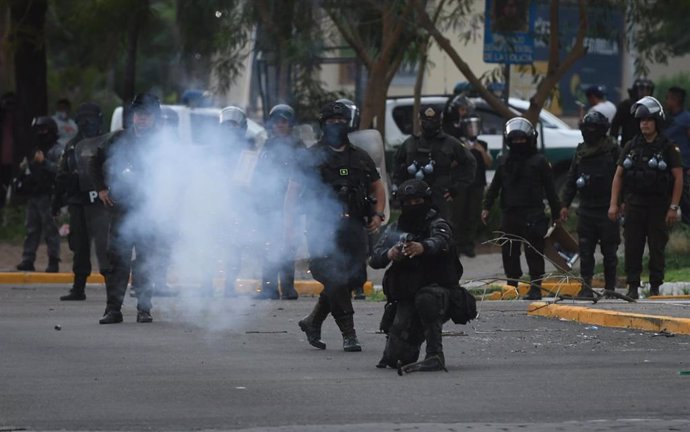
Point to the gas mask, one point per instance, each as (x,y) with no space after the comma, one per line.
(335,134)
(89,126)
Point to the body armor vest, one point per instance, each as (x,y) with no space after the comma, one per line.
(522,183)
(430,160)
(646,171)
(594,177)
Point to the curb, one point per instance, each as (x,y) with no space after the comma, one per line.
(607,318)
(244,286)
(508,292)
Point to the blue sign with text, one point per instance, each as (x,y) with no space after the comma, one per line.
(509,31)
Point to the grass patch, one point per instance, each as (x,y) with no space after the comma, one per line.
(12,224)
(377,296)
(677,257)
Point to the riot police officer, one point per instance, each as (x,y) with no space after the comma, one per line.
(230,149)
(523,178)
(624,123)
(437,158)
(344,215)
(88,219)
(424,269)
(650,176)
(457,109)
(277,162)
(591,172)
(38,182)
(467,208)
(118,169)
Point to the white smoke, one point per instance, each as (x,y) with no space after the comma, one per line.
(203,206)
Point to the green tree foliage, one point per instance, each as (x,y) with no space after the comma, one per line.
(659,29)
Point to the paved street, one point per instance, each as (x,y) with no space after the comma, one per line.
(244,365)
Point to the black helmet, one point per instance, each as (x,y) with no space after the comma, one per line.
(354,113)
(283,111)
(44,124)
(461,101)
(413,188)
(639,84)
(45,128)
(335,109)
(598,91)
(146,102)
(472,126)
(89,119)
(648,107)
(520,127)
(594,126)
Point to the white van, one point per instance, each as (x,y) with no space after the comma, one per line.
(195,123)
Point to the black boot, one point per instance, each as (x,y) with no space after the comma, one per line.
(632,291)
(311,325)
(346,324)
(433,334)
(654,290)
(111,317)
(53,265)
(77,291)
(26,266)
(534,292)
(431,363)
(289,293)
(586,289)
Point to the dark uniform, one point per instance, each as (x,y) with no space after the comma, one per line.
(240,236)
(624,123)
(648,185)
(590,176)
(38,182)
(118,168)
(419,286)
(277,162)
(437,158)
(88,218)
(336,235)
(523,179)
(467,207)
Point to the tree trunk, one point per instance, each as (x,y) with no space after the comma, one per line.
(129,79)
(374,106)
(419,82)
(28,22)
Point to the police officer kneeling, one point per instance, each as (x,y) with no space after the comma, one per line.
(650,175)
(422,282)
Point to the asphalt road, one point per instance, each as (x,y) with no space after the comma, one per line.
(244,365)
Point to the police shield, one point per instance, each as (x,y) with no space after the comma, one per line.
(371,142)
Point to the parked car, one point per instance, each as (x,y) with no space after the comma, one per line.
(194,124)
(557,140)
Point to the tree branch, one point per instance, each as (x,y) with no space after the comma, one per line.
(352,40)
(552,78)
(464,68)
(554,52)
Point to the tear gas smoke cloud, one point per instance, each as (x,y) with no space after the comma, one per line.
(202,207)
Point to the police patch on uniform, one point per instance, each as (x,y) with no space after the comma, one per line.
(344,172)
(429,112)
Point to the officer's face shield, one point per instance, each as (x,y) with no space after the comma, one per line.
(518,129)
(648,107)
(144,122)
(281,125)
(336,120)
(413,201)
(472,127)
